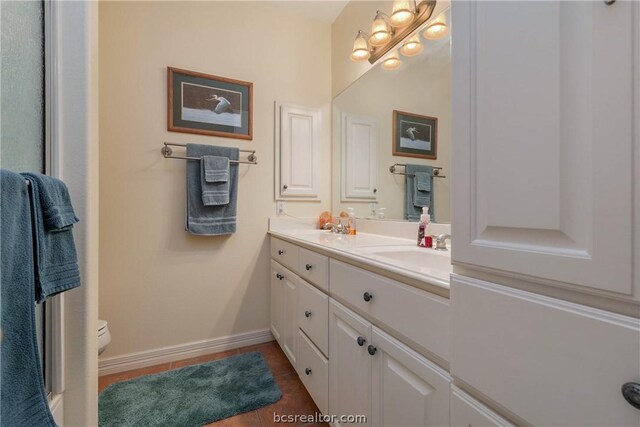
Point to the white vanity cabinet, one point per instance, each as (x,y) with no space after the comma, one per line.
(283,310)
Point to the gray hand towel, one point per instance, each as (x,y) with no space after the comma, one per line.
(422,189)
(22,396)
(214,180)
(57,262)
(210,220)
(412,210)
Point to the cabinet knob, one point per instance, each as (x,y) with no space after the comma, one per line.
(631,393)
(280,252)
(361,341)
(372,350)
(375,190)
(308,267)
(367,296)
(307,371)
(279,276)
(307,313)
(285,186)
(609,2)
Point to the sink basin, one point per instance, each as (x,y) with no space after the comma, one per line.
(427,261)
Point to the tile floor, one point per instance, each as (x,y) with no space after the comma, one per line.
(295,398)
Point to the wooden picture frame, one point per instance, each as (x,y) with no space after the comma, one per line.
(205,104)
(415,135)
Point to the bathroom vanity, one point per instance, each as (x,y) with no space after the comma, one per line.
(367,331)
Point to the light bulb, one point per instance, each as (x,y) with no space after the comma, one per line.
(412,47)
(380,31)
(402,14)
(391,63)
(436,31)
(360,50)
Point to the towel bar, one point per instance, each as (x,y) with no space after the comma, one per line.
(436,172)
(167,152)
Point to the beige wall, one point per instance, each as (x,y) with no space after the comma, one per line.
(160,286)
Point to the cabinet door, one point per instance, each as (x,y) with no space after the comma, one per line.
(276,298)
(300,162)
(542,155)
(359,157)
(407,389)
(290,323)
(349,363)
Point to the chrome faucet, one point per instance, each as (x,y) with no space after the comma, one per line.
(441,242)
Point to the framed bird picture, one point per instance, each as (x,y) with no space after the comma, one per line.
(415,135)
(209,105)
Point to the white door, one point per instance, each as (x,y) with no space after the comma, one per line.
(543,99)
(349,363)
(290,324)
(407,389)
(359,157)
(300,159)
(277,302)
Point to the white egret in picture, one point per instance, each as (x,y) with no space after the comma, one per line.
(212,105)
(416,136)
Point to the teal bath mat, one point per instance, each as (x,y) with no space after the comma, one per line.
(190,396)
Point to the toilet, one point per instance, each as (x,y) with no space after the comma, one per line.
(104,336)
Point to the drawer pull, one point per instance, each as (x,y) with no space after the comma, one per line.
(371,349)
(307,313)
(367,296)
(279,276)
(308,267)
(609,2)
(631,393)
(280,252)
(361,341)
(307,371)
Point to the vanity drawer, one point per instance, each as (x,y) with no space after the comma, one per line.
(314,268)
(313,369)
(285,253)
(468,412)
(413,313)
(313,315)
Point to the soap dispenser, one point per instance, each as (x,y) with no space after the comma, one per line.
(424,221)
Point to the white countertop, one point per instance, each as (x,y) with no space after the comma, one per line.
(397,255)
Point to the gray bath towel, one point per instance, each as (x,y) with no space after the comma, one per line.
(215,180)
(413,205)
(57,263)
(22,396)
(210,220)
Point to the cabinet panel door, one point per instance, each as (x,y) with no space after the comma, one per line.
(359,157)
(290,327)
(349,363)
(407,389)
(300,162)
(543,139)
(276,298)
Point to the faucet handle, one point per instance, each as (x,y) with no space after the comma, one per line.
(441,242)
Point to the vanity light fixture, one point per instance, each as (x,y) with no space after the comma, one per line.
(436,29)
(403,13)
(392,62)
(388,31)
(380,30)
(361,50)
(412,47)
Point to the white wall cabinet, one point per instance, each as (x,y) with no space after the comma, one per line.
(359,158)
(543,140)
(299,160)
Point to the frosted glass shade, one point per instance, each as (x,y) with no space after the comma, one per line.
(412,47)
(391,63)
(402,14)
(436,31)
(360,50)
(380,31)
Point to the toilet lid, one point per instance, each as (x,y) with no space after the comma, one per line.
(102,325)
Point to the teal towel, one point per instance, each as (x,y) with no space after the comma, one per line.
(416,195)
(210,220)
(214,180)
(22,397)
(57,262)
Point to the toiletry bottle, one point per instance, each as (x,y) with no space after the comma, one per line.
(352,221)
(424,221)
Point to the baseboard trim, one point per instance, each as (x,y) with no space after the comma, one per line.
(142,359)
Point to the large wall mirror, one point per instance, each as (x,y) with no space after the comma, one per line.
(399,116)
